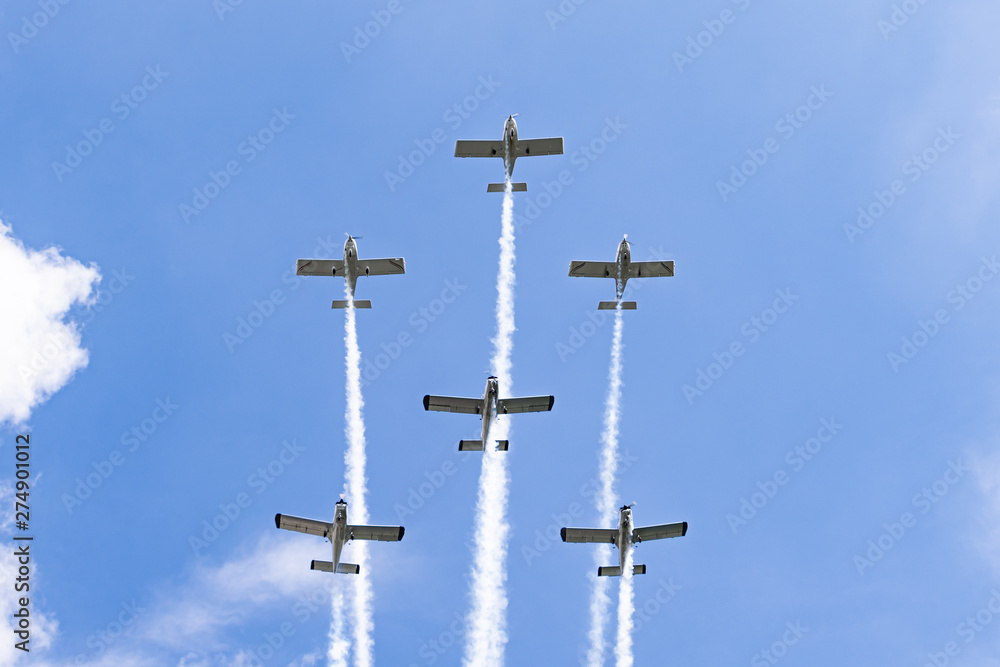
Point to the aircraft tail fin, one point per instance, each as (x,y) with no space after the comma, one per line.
(514,187)
(616,571)
(358,303)
(502,445)
(351,568)
(470,445)
(322,566)
(611,305)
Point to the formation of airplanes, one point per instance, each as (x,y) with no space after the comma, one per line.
(491,406)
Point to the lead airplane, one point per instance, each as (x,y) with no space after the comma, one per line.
(487,406)
(338,532)
(351,267)
(623,538)
(509,148)
(621,270)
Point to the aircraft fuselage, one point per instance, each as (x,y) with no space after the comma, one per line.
(339,536)
(489,406)
(622,260)
(509,145)
(624,534)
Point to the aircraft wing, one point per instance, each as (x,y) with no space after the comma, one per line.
(478,149)
(651,269)
(319,267)
(469,406)
(380,533)
(552,146)
(593,269)
(604,535)
(308,526)
(383,267)
(527,404)
(660,532)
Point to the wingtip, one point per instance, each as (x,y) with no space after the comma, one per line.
(277,521)
(562,534)
(552,401)
(427,402)
(402,531)
(684,528)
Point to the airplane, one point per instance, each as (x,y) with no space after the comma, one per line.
(338,532)
(350,268)
(623,537)
(509,148)
(621,270)
(487,406)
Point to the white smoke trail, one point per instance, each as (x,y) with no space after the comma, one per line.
(606,511)
(339,646)
(355,489)
(626,608)
(487,620)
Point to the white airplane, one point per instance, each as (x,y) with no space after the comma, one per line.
(350,268)
(487,406)
(621,270)
(509,148)
(623,537)
(338,532)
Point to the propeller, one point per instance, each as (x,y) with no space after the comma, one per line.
(347,234)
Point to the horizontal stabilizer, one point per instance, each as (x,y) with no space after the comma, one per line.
(514,187)
(502,445)
(616,571)
(611,305)
(322,566)
(348,568)
(470,445)
(358,303)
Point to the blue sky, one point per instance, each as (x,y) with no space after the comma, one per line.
(157,330)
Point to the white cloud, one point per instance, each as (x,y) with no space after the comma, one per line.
(39,350)
(201,621)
